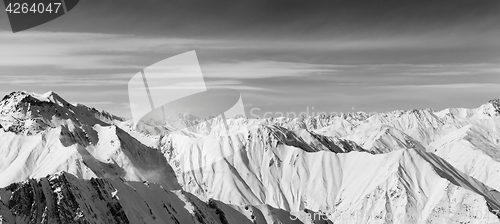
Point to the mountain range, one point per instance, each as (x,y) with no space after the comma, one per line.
(69,163)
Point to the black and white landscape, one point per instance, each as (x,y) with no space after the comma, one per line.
(66,163)
(250,112)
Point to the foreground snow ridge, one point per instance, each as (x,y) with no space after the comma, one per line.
(68,163)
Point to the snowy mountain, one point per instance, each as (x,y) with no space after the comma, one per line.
(65,163)
(43,135)
(265,171)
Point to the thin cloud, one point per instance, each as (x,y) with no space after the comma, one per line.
(93,51)
(266,69)
(464,86)
(65,80)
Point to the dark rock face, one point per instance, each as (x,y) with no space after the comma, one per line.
(320,142)
(55,199)
(496,104)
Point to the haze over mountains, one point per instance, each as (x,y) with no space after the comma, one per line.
(66,163)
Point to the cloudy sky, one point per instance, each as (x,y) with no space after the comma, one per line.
(281,55)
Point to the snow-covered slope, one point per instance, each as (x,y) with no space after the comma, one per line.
(338,184)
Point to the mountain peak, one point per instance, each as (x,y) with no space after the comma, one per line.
(18,97)
(30,113)
(491,109)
